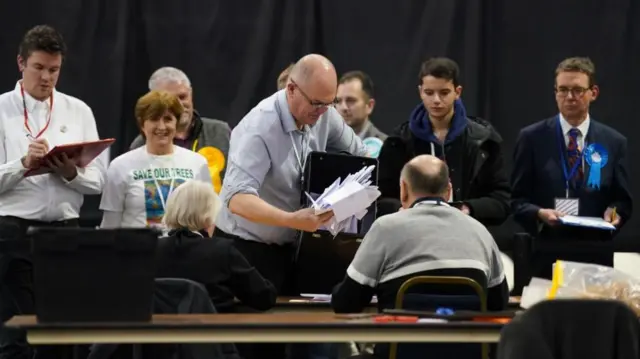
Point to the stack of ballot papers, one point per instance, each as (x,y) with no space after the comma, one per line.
(326,298)
(589,222)
(348,199)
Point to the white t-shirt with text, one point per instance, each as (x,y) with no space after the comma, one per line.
(139,184)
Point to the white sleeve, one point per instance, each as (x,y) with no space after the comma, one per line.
(496,274)
(368,264)
(11,172)
(111,219)
(114,190)
(90,179)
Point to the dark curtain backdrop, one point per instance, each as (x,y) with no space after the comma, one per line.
(234,50)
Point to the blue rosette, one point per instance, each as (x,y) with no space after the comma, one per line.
(597,157)
(374,145)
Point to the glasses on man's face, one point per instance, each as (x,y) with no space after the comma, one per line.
(315,104)
(563,91)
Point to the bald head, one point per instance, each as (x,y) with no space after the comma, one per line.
(426,175)
(316,71)
(312,89)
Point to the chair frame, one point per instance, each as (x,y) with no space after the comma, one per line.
(449,280)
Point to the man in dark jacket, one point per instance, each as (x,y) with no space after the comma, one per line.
(571,164)
(471,147)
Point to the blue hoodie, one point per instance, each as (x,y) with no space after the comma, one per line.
(420,125)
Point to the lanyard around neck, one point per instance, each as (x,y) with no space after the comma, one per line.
(163,200)
(26,115)
(300,156)
(430,200)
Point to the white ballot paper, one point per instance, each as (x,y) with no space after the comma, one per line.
(348,199)
(590,222)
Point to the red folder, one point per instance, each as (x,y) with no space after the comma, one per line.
(81,153)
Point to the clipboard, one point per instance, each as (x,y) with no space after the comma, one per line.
(82,153)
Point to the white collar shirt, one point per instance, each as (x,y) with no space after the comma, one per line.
(47,197)
(583,130)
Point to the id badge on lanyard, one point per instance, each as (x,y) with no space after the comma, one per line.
(567,205)
(163,199)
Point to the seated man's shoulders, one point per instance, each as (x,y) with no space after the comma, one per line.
(393,221)
(475,225)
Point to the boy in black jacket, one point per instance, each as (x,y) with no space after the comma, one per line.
(471,147)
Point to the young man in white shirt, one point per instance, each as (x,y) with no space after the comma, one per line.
(34,118)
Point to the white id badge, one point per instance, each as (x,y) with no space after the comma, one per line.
(569,206)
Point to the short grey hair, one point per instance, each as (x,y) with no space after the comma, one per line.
(193,205)
(168,74)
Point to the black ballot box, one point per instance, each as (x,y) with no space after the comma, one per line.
(322,259)
(93,275)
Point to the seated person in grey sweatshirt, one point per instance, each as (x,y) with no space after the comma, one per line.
(426,237)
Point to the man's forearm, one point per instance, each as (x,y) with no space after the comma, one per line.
(254,209)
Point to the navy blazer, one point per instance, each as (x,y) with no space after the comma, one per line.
(538,179)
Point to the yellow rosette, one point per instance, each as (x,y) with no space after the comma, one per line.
(216,163)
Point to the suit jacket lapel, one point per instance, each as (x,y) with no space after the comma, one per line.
(592,135)
(558,144)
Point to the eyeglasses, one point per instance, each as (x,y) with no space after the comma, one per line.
(575,91)
(315,104)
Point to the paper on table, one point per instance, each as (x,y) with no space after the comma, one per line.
(590,222)
(327,297)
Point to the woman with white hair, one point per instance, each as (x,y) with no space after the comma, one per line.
(189,251)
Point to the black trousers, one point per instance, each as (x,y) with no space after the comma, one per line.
(273,261)
(16,287)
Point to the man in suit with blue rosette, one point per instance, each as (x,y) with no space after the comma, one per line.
(571,164)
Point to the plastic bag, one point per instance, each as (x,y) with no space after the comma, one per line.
(582,280)
(536,291)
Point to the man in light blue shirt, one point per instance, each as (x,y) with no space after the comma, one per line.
(268,149)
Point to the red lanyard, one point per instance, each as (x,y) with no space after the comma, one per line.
(26,116)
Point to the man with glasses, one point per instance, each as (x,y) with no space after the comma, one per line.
(267,155)
(570,164)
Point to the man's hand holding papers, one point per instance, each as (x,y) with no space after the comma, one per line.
(348,200)
(307,220)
